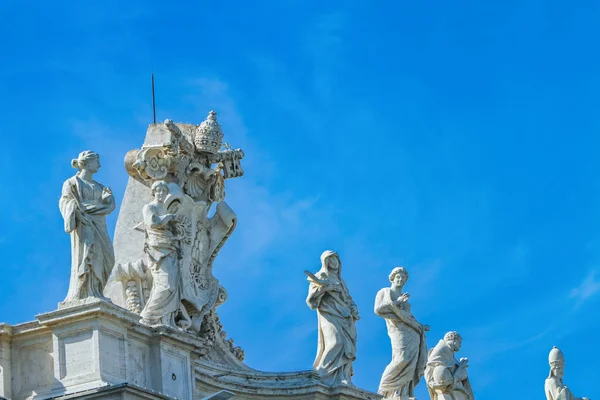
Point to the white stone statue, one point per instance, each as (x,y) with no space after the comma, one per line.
(447,377)
(162,249)
(84,205)
(554,387)
(337,316)
(191,159)
(409,348)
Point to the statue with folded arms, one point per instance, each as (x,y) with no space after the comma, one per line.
(446,376)
(84,205)
(554,387)
(409,348)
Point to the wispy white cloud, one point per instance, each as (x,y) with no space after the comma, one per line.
(587,289)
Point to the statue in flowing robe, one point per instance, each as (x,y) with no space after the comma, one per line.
(554,387)
(337,315)
(447,377)
(84,205)
(409,348)
(162,248)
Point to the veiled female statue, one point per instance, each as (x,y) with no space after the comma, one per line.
(162,249)
(337,316)
(409,348)
(554,387)
(84,204)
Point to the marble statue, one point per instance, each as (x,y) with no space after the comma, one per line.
(84,205)
(192,160)
(409,348)
(447,377)
(337,315)
(162,248)
(555,388)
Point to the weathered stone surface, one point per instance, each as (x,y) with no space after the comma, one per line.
(409,348)
(84,204)
(337,315)
(554,387)
(255,385)
(156,334)
(97,349)
(182,156)
(446,376)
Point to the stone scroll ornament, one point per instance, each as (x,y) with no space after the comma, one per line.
(84,205)
(554,387)
(185,168)
(446,376)
(409,347)
(337,315)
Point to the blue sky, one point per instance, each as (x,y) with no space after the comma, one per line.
(458,140)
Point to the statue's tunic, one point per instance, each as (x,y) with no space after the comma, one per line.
(409,348)
(92,255)
(557,390)
(440,375)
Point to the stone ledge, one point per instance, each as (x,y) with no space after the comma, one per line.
(120,391)
(257,384)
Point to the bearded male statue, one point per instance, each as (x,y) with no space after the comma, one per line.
(446,376)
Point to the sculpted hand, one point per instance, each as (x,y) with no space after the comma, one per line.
(106,194)
(426,328)
(403,298)
(333,288)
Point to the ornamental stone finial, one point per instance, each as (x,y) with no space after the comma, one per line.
(209,135)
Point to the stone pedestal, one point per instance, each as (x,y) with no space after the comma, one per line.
(91,345)
(97,350)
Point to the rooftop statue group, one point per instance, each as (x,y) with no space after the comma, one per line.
(172,284)
(445,376)
(168,281)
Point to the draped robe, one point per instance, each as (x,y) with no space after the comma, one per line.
(336,349)
(92,254)
(440,375)
(409,348)
(556,390)
(161,247)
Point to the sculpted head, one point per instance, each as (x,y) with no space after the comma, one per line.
(453,340)
(330,260)
(556,359)
(398,277)
(160,191)
(88,160)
